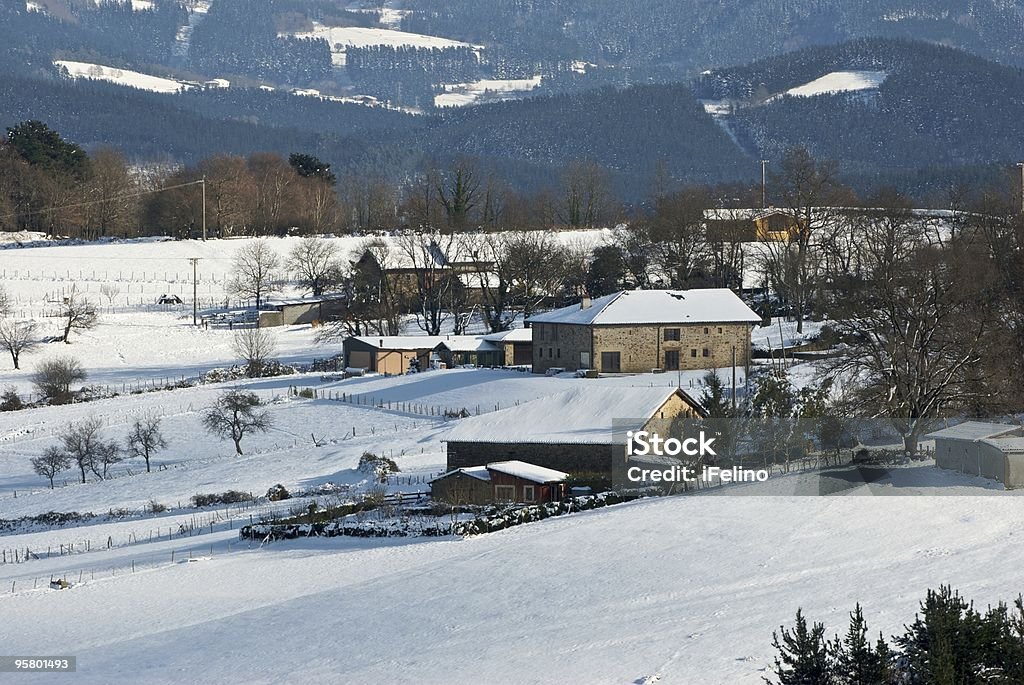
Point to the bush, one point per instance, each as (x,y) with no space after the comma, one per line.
(381,467)
(11,401)
(54,377)
(227,497)
(307,393)
(278,492)
(155,507)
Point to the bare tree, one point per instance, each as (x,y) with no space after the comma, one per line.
(52,461)
(316,262)
(145,439)
(78,313)
(235,415)
(110,291)
(110,185)
(18,337)
(83,445)
(915,336)
(53,378)
(107,454)
(256,346)
(459,192)
(679,234)
(375,294)
(255,272)
(435,285)
(5,303)
(586,195)
(809,191)
(230,193)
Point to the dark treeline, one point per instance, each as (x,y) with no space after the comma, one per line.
(240,37)
(409,75)
(689,36)
(82,28)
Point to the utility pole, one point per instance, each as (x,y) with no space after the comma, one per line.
(734,380)
(195,289)
(204,208)
(764,183)
(1021,166)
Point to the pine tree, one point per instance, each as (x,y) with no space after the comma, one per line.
(856,662)
(803,657)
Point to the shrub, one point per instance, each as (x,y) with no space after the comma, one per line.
(380,466)
(278,492)
(54,377)
(227,497)
(11,401)
(307,393)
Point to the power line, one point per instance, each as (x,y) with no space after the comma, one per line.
(110,199)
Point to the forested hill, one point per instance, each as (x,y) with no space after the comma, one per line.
(934,107)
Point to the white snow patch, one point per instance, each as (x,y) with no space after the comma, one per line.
(840,82)
(340,38)
(462,94)
(124,77)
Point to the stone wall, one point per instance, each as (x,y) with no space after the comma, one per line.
(561,345)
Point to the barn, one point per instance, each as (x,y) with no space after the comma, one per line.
(573,432)
(989,450)
(505,481)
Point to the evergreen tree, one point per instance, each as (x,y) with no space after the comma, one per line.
(803,657)
(716,398)
(856,661)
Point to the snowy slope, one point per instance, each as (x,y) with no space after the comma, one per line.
(463,94)
(124,77)
(341,38)
(840,82)
(685,589)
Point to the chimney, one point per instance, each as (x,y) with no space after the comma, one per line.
(381,343)
(585,302)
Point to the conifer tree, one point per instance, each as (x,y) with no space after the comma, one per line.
(803,655)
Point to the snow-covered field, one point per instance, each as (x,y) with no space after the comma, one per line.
(840,82)
(124,77)
(463,94)
(340,38)
(144,269)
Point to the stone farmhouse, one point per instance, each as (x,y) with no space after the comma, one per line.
(637,331)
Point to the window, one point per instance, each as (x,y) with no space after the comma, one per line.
(610,362)
(558,352)
(529,493)
(693,353)
(672,360)
(707,352)
(672,335)
(505,493)
(551,353)
(719,329)
(706,330)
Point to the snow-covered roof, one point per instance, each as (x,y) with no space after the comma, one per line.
(478,472)
(584,415)
(531,472)
(468,343)
(514,335)
(1006,444)
(638,307)
(973,431)
(401,342)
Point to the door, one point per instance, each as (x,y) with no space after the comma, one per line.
(610,362)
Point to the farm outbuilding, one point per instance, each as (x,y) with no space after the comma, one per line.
(394,355)
(989,450)
(469,350)
(573,431)
(516,346)
(301,310)
(505,481)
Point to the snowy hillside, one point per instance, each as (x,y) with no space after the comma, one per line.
(124,77)
(686,590)
(341,38)
(840,82)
